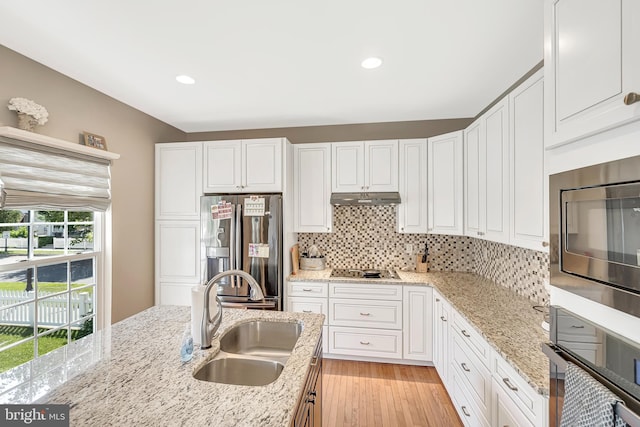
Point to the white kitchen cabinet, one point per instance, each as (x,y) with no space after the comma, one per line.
(496,128)
(178,180)
(312,188)
(310,297)
(417,324)
(445,184)
(177,261)
(474,180)
(243,166)
(178,187)
(486,156)
(441,321)
(529,207)
(591,64)
(506,413)
(370,166)
(412,212)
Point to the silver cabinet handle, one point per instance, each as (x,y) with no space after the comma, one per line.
(307,289)
(307,311)
(464,411)
(631,98)
(444,319)
(464,332)
(437,299)
(577,326)
(465,367)
(365,314)
(508,383)
(364,342)
(545,244)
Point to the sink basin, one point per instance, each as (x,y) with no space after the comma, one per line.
(262,338)
(240,371)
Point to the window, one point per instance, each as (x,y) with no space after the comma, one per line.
(49,261)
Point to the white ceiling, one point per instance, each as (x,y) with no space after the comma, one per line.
(281,63)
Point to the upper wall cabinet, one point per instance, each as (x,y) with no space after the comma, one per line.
(445,180)
(312,188)
(243,166)
(412,212)
(178,177)
(486,163)
(364,166)
(529,201)
(592,67)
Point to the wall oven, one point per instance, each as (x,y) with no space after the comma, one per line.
(595,233)
(607,357)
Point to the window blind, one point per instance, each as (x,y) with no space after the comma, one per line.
(49,179)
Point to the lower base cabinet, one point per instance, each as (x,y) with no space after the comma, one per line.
(309,410)
(506,413)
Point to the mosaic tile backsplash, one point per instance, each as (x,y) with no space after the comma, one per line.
(366,237)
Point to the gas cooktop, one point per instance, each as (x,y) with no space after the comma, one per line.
(356,273)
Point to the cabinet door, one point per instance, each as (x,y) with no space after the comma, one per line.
(496,127)
(177,260)
(262,165)
(312,188)
(445,184)
(178,176)
(417,323)
(529,210)
(381,165)
(223,167)
(347,167)
(588,72)
(441,322)
(506,413)
(474,195)
(412,212)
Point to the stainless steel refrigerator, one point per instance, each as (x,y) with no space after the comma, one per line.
(243,232)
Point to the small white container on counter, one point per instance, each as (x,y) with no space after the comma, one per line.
(315,264)
(197,305)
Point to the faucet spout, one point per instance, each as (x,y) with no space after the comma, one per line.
(209,326)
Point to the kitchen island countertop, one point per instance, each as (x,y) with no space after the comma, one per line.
(506,320)
(135,376)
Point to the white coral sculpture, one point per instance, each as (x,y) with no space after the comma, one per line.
(27,106)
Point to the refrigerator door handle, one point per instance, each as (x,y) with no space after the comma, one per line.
(238,240)
(232,244)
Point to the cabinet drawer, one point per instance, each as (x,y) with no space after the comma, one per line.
(366,291)
(476,377)
(307,289)
(365,342)
(469,413)
(519,391)
(473,339)
(309,305)
(367,314)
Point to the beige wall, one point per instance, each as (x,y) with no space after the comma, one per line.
(355,132)
(74,107)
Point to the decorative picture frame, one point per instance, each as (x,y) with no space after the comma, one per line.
(95,141)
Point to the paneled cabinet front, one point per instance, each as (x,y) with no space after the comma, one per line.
(312,188)
(243,166)
(592,70)
(178,177)
(417,329)
(369,166)
(445,189)
(412,212)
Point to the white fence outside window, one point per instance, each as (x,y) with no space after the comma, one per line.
(52,311)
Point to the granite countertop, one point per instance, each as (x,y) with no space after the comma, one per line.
(138,378)
(506,320)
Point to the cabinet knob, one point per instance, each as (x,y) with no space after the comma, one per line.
(401,228)
(545,244)
(437,299)
(631,98)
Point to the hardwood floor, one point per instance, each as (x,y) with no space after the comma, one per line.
(378,394)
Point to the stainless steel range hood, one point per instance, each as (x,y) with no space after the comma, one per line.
(365,199)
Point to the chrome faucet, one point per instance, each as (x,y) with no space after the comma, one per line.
(209,326)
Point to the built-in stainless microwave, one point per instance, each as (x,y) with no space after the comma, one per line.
(595,233)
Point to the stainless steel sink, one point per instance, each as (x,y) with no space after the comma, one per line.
(252,353)
(262,338)
(240,371)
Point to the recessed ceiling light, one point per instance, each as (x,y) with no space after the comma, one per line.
(372,62)
(185,80)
